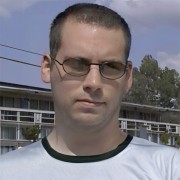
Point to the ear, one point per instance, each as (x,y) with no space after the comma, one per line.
(46,68)
(129,78)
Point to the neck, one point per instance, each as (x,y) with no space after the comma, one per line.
(84,143)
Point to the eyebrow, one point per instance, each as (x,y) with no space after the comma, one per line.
(90,61)
(77,57)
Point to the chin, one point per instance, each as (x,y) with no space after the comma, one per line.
(88,122)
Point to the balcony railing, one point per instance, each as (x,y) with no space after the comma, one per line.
(17,115)
(156,127)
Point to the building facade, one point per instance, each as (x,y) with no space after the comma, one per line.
(150,122)
(24,106)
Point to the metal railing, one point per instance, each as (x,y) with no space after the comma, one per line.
(17,115)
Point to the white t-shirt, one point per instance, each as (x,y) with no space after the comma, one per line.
(134,159)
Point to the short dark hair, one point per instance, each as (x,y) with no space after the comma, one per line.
(89,14)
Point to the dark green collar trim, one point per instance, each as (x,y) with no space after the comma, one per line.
(84,159)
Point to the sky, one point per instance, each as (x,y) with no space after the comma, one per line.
(24,24)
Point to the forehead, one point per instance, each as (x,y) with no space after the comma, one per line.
(71,25)
(90,39)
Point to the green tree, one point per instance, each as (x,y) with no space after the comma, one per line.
(137,93)
(31,133)
(150,69)
(165,138)
(168,87)
(177,141)
(155,86)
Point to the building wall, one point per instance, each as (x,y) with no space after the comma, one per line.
(21,107)
(24,106)
(15,120)
(26,101)
(150,130)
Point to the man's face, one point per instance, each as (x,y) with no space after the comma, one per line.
(88,101)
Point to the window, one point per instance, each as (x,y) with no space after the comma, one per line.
(17,103)
(162,127)
(47,118)
(44,105)
(141,115)
(21,136)
(132,133)
(45,131)
(5,149)
(8,102)
(124,114)
(25,103)
(9,115)
(154,138)
(51,106)
(8,132)
(27,116)
(33,104)
(1,101)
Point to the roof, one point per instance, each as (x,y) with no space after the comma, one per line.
(148,107)
(5,86)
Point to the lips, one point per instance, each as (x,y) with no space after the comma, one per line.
(90,102)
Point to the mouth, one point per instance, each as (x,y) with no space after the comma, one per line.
(89,102)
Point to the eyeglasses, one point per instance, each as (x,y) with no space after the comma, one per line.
(81,67)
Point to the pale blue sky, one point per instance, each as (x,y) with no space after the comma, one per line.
(155,27)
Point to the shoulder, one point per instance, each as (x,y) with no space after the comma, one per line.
(23,154)
(161,155)
(159,161)
(151,147)
(19,164)
(148,145)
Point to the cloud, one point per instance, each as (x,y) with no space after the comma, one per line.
(171,61)
(147,13)
(9,6)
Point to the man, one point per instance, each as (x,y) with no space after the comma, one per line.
(89,72)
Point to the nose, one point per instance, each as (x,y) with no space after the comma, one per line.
(93,80)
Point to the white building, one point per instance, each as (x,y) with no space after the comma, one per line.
(23,106)
(20,107)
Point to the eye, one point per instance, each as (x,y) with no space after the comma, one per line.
(76,64)
(114,66)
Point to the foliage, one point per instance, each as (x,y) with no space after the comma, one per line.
(170,117)
(155,86)
(31,133)
(178,141)
(165,138)
(137,93)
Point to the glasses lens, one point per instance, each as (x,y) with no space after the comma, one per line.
(112,70)
(76,67)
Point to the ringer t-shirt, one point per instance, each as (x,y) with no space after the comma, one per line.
(134,159)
